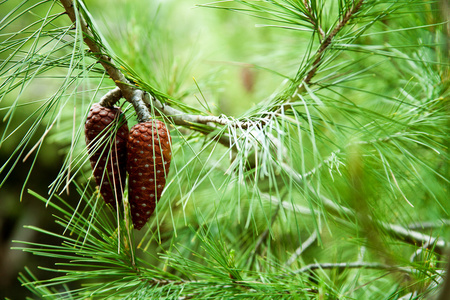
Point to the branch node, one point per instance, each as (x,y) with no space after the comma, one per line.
(111,97)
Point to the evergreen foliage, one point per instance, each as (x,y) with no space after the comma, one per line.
(317,169)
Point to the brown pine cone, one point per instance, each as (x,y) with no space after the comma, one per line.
(106,133)
(149,156)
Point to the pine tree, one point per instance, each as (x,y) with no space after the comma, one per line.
(316,169)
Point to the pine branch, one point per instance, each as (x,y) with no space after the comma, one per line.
(414,237)
(111,97)
(143,104)
(327,42)
(311,239)
(407,235)
(396,231)
(125,86)
(141,100)
(429,225)
(352,265)
(314,20)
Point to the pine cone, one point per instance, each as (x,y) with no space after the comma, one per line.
(108,149)
(149,156)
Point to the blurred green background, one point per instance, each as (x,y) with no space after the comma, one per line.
(176,44)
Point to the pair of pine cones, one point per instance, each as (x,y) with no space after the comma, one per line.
(144,152)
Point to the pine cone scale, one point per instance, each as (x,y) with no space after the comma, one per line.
(147,168)
(108,150)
